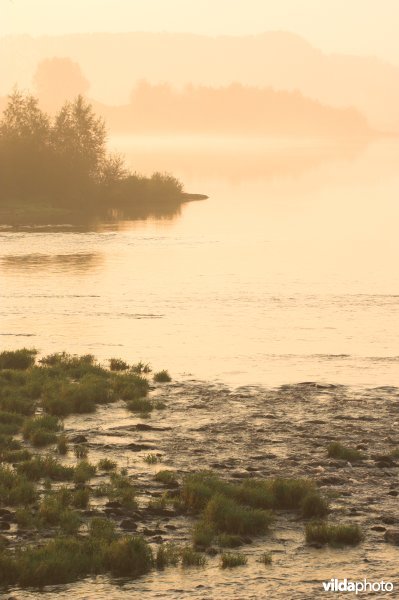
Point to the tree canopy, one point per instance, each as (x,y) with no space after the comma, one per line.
(63,160)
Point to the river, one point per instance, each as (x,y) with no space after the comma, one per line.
(287,273)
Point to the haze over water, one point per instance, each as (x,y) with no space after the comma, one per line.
(285,274)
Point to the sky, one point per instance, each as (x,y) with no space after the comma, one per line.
(363,27)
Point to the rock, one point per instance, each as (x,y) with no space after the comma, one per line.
(393,493)
(332,480)
(378,528)
(4,526)
(128,525)
(392,536)
(388,520)
(139,447)
(113,504)
(4,511)
(212,551)
(79,439)
(146,427)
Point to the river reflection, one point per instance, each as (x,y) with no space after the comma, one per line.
(74,263)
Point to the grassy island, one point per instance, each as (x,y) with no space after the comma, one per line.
(57,169)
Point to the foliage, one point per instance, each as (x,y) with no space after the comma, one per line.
(335,535)
(338,450)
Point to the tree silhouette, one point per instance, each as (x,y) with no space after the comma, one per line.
(57,80)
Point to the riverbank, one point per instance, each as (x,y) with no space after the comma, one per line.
(288,432)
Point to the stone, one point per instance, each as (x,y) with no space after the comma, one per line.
(392,536)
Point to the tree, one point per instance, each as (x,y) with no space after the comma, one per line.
(59,79)
(79,142)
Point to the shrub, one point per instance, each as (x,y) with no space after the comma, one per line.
(230,560)
(191,558)
(18,359)
(337,450)
(162,377)
(335,535)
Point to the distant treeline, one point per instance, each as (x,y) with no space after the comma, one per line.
(232,109)
(61,163)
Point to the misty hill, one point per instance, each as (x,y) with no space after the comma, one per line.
(232,109)
(114,62)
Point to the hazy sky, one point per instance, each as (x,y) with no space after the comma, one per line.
(350,26)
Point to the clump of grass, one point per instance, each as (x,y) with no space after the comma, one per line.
(62,445)
(81,451)
(64,365)
(105,464)
(162,376)
(83,472)
(395,453)
(64,397)
(129,557)
(122,490)
(227,516)
(53,512)
(102,530)
(167,477)
(168,554)
(42,430)
(15,456)
(191,558)
(18,359)
(334,535)
(117,364)
(277,493)
(226,540)
(130,386)
(339,451)
(203,534)
(314,506)
(45,467)
(152,459)
(24,518)
(15,489)
(140,405)
(140,367)
(229,560)
(80,498)
(265,558)
(10,422)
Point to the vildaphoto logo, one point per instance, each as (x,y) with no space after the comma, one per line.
(347,585)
